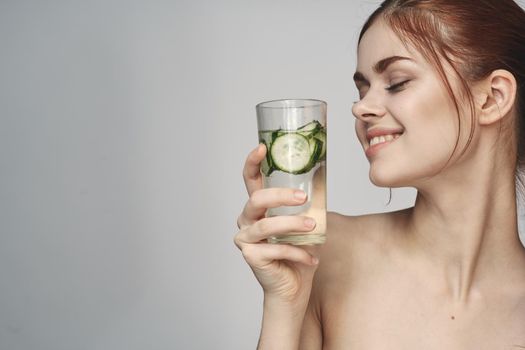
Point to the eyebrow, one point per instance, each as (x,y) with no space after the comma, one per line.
(380,66)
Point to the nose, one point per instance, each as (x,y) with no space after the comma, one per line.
(368,108)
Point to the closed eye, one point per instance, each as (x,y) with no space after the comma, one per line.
(397,87)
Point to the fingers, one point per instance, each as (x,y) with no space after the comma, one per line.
(272,226)
(251,172)
(263,199)
(255,228)
(260,255)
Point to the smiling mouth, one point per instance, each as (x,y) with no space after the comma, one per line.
(379,142)
(382,139)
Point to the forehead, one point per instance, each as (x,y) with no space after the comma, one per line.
(378,42)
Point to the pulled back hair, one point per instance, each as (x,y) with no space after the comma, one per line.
(475,37)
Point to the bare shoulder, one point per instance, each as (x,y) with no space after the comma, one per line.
(356,245)
(351,234)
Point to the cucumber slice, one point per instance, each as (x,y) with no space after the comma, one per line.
(316,147)
(321,136)
(266,138)
(310,126)
(266,164)
(309,129)
(291,153)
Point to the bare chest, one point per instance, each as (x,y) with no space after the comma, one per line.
(392,319)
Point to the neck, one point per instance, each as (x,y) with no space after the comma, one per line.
(465,229)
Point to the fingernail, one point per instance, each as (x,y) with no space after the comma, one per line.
(299,195)
(309,222)
(315,260)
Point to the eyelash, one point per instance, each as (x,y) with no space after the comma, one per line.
(393,88)
(397,87)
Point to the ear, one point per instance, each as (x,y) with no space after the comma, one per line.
(495,96)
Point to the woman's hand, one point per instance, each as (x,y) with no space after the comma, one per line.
(284,271)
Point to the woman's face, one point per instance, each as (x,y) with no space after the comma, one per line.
(399,90)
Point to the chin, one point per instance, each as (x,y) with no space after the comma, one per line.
(385,178)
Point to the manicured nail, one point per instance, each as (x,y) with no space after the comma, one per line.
(299,195)
(309,222)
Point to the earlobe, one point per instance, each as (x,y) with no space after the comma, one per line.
(499,94)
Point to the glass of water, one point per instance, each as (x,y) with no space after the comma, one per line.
(294,133)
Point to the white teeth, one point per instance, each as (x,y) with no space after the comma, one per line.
(381,139)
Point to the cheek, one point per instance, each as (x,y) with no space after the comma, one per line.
(432,145)
(430,140)
(429,117)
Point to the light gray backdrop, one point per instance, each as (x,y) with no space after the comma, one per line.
(123,130)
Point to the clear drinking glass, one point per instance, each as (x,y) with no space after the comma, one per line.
(294,132)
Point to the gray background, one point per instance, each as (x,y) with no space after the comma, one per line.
(124,128)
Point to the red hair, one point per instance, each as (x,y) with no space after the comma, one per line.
(475,37)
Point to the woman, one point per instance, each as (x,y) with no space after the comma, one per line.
(448,77)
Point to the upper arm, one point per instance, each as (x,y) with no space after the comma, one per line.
(333,267)
(311,332)
(353,242)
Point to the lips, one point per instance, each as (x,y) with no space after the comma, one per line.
(371,133)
